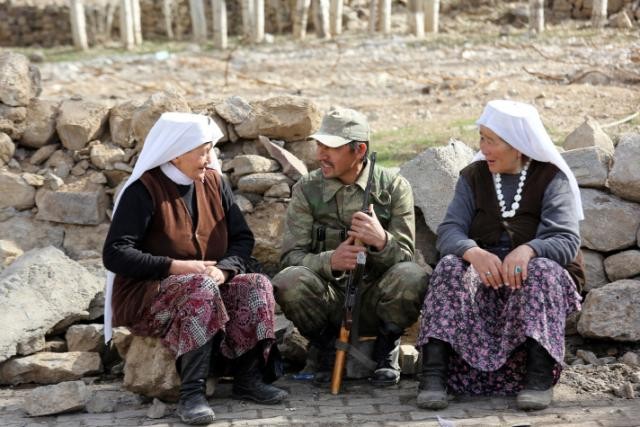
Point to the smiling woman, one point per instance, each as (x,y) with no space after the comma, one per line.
(194,163)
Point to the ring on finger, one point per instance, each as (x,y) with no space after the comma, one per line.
(517,270)
(488,274)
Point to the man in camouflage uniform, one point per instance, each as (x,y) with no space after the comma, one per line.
(319,248)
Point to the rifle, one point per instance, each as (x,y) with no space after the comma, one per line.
(350,319)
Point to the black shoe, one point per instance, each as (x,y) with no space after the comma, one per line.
(248,382)
(385,353)
(538,387)
(325,348)
(432,390)
(193,368)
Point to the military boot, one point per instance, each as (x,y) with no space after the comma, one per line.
(248,381)
(538,386)
(325,345)
(432,390)
(385,354)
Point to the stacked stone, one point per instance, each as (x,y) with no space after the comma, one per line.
(581,9)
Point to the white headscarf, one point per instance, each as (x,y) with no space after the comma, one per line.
(520,126)
(171,136)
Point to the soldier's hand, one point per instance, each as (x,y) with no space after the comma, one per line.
(368,230)
(344,256)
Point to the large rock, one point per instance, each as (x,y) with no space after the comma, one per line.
(120,124)
(589,165)
(50,368)
(82,241)
(304,150)
(40,128)
(289,118)
(433,175)
(85,338)
(43,154)
(146,115)
(104,156)
(28,233)
(150,369)
(624,178)
(19,80)
(610,223)
(81,202)
(246,164)
(9,251)
(54,399)
(261,182)
(15,191)
(7,149)
(623,265)
(292,166)
(234,110)
(589,134)
(267,224)
(40,289)
(611,312)
(596,276)
(80,122)
(13,121)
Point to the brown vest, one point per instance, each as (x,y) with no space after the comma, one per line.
(488,225)
(171,233)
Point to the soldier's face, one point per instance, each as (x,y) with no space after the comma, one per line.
(342,163)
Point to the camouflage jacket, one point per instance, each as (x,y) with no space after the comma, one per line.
(320,214)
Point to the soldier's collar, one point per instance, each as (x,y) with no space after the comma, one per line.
(331,186)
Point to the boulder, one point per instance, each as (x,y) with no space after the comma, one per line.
(120,124)
(40,128)
(28,233)
(43,154)
(85,338)
(590,166)
(267,223)
(610,223)
(234,110)
(150,369)
(53,399)
(292,166)
(289,118)
(13,121)
(611,312)
(80,122)
(623,265)
(589,134)
(19,80)
(82,241)
(146,115)
(7,149)
(433,175)
(261,182)
(246,164)
(50,368)
(81,202)
(594,270)
(104,156)
(304,150)
(40,289)
(15,191)
(624,178)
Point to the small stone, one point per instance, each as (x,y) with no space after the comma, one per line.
(630,358)
(588,356)
(100,403)
(157,410)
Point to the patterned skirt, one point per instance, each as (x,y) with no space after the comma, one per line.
(486,328)
(190,309)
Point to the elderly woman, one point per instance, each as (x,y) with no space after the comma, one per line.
(177,251)
(494,315)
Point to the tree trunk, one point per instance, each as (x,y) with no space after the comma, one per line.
(536,13)
(248,18)
(126,25)
(258,29)
(322,19)
(415,17)
(219,25)
(384,23)
(373,16)
(167,12)
(335,16)
(198,22)
(599,13)
(431,12)
(300,19)
(78,25)
(137,22)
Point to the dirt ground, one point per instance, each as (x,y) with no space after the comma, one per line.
(415,92)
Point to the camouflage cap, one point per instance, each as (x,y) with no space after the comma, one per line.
(341,126)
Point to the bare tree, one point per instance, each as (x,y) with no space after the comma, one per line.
(198,21)
(167,12)
(248,18)
(335,16)
(373,16)
(126,24)
(321,19)
(78,25)
(431,15)
(384,21)
(137,21)
(536,13)
(415,18)
(599,13)
(219,8)
(258,21)
(300,19)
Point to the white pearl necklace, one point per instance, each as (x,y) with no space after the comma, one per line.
(497,180)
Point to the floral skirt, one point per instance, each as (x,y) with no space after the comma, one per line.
(486,328)
(190,309)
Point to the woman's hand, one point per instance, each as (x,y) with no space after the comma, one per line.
(488,266)
(180,266)
(514,266)
(219,276)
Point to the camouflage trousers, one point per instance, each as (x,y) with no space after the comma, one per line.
(312,303)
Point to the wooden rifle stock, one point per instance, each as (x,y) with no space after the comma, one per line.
(350,302)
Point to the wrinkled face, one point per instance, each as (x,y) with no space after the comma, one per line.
(194,163)
(342,163)
(501,157)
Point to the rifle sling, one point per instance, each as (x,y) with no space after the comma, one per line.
(357,354)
